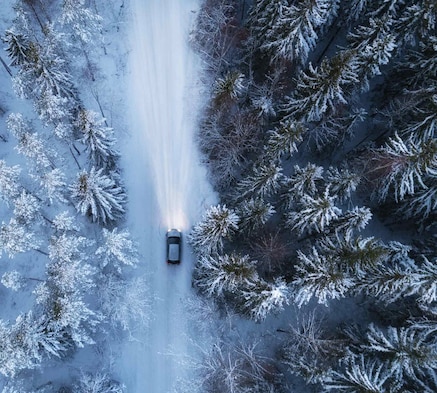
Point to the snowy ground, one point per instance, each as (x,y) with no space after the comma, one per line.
(166,184)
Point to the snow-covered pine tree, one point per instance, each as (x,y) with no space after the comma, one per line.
(254,213)
(215,275)
(265,298)
(54,109)
(98,383)
(387,282)
(98,196)
(401,166)
(264,180)
(405,351)
(305,180)
(219,223)
(117,249)
(361,374)
(30,144)
(319,276)
(313,213)
(27,208)
(16,238)
(25,343)
(124,303)
(53,185)
(9,181)
(321,91)
(97,137)
(342,182)
(12,280)
(63,222)
(351,221)
(355,255)
(230,87)
(417,21)
(290,31)
(17,47)
(81,19)
(284,140)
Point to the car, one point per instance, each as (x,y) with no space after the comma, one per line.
(174,237)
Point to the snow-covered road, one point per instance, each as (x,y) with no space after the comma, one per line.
(166,184)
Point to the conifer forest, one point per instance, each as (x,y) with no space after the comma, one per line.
(316,268)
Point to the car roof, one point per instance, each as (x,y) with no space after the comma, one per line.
(173,252)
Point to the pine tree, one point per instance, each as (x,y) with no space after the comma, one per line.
(9,181)
(25,343)
(314,214)
(98,196)
(351,221)
(53,184)
(117,249)
(219,223)
(215,275)
(401,166)
(404,351)
(283,140)
(265,298)
(342,182)
(361,375)
(265,180)
(319,276)
(97,383)
(29,143)
(230,87)
(254,214)
(15,238)
(321,91)
(17,47)
(98,138)
(26,208)
(290,32)
(304,181)
(82,20)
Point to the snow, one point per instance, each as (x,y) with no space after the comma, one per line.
(166,185)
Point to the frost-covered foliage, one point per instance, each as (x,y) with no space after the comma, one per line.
(117,249)
(9,181)
(225,273)
(287,31)
(346,117)
(125,303)
(401,166)
(27,342)
(98,195)
(265,298)
(97,137)
(219,223)
(15,238)
(264,181)
(97,383)
(81,19)
(284,139)
(323,90)
(12,280)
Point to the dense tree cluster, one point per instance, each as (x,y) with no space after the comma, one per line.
(66,186)
(333,199)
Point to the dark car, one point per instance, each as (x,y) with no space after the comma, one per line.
(174,246)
